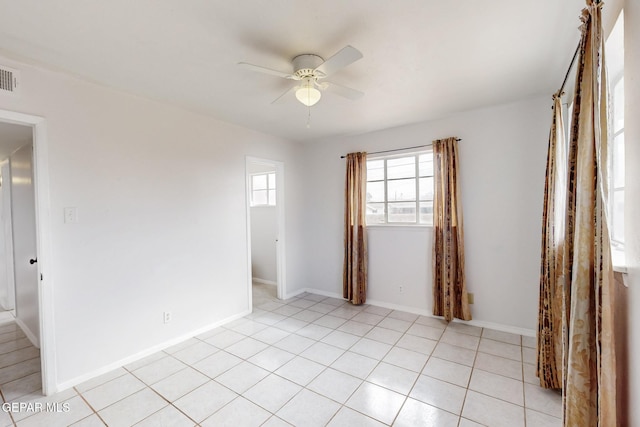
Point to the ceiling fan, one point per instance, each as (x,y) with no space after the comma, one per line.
(309,70)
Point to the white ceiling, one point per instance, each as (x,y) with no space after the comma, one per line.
(422,58)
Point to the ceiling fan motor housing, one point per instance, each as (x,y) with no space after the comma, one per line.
(304,66)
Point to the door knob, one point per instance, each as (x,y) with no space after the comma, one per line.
(33,261)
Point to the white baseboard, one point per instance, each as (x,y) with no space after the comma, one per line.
(130,359)
(480,323)
(500,327)
(35,341)
(5,304)
(294,294)
(7,317)
(318,292)
(413,310)
(264,281)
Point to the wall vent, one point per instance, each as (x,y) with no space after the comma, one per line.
(9,80)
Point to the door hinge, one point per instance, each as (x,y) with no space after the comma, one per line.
(41,277)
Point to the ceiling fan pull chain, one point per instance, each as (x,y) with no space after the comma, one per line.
(309,117)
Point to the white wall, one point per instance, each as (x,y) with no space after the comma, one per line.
(160,194)
(400,258)
(632,196)
(502,159)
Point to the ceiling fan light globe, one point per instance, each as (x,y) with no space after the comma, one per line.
(308,95)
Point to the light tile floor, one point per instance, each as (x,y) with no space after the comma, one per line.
(308,361)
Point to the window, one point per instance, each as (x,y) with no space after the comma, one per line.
(616,156)
(400,189)
(263,189)
(615,62)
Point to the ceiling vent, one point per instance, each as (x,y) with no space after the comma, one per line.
(9,80)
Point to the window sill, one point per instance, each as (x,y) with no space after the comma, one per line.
(618,260)
(620,268)
(403,226)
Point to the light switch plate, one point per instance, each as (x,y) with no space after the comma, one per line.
(71,215)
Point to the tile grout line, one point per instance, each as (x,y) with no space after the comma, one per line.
(9,412)
(476,350)
(524,395)
(327,367)
(406,397)
(89,405)
(466,391)
(354,330)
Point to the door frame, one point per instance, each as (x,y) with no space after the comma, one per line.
(280,235)
(43,243)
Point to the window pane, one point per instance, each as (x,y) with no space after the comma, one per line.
(272,180)
(260,197)
(375,191)
(618,216)
(272,197)
(426,164)
(402,212)
(403,167)
(618,106)
(375,213)
(259,182)
(426,188)
(375,170)
(618,161)
(426,213)
(402,189)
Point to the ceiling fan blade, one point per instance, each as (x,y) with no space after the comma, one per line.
(344,57)
(343,91)
(283,97)
(264,70)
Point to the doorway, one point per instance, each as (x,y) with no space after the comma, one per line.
(15,141)
(25,231)
(265,230)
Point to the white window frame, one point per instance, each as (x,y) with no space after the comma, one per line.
(615,54)
(613,163)
(385,180)
(271,186)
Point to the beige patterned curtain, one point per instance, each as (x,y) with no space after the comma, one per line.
(551,284)
(589,367)
(354,275)
(449,289)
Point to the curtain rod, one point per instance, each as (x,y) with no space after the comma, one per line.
(573,60)
(400,149)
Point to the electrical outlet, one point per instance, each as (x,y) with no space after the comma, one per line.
(400,289)
(167,316)
(470,298)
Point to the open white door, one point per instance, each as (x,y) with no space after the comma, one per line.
(24,243)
